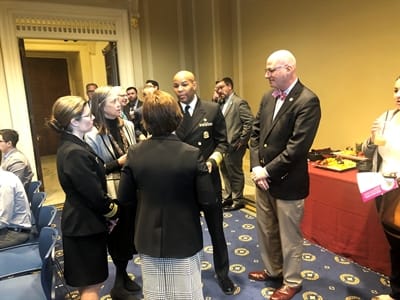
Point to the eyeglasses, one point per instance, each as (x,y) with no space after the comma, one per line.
(272,70)
(90,116)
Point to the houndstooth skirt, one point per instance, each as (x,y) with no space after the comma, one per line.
(172,278)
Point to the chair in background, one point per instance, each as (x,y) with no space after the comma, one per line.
(37,285)
(36,203)
(33,188)
(47,214)
(27,256)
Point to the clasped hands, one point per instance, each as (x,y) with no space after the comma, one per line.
(260,177)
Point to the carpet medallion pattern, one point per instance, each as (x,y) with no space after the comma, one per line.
(326,276)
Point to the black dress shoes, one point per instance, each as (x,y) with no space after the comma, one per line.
(226,285)
(122,294)
(234,206)
(227,202)
(131,285)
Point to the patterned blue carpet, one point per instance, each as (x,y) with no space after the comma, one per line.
(326,275)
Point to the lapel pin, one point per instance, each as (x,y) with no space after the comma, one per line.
(290,99)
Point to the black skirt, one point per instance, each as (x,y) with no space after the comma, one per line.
(85,260)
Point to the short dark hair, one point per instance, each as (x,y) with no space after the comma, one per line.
(91,83)
(227,81)
(131,88)
(10,135)
(153,82)
(161,113)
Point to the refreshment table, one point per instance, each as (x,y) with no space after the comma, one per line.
(337,219)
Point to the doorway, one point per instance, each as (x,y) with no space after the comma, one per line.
(55,70)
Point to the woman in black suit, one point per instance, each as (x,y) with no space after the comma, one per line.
(169,185)
(87,209)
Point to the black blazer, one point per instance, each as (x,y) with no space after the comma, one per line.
(82,176)
(282,144)
(169,184)
(207,131)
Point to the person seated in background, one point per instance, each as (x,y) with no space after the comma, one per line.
(12,159)
(158,188)
(15,212)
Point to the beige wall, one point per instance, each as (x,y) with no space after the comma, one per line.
(346,52)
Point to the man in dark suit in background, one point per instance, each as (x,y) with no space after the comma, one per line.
(133,111)
(283,132)
(90,88)
(239,121)
(203,126)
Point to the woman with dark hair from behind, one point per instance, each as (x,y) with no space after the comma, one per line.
(88,212)
(169,243)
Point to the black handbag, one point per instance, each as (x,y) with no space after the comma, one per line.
(364,165)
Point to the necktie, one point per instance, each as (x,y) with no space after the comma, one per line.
(187,108)
(278,94)
(183,128)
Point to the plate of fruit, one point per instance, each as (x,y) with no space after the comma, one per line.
(337,164)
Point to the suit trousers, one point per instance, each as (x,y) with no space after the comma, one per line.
(279,236)
(10,238)
(214,221)
(121,240)
(233,175)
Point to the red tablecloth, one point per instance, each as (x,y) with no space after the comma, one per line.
(336,218)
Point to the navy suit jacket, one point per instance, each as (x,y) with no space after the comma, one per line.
(281,145)
(207,131)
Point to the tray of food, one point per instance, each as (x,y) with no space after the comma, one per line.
(337,164)
(351,154)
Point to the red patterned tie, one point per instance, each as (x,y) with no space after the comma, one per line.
(278,94)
